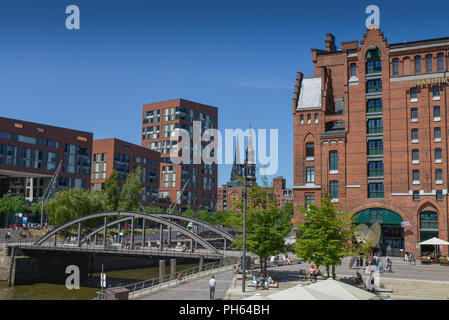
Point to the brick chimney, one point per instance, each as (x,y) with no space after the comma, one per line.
(330,43)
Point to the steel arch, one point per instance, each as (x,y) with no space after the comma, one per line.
(146,216)
(171,216)
(199,222)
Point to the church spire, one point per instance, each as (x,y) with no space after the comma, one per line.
(251,163)
(237,166)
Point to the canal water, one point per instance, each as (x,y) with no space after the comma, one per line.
(44,291)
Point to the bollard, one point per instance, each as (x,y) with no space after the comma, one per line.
(172,269)
(161,271)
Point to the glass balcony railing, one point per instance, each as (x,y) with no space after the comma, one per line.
(373,89)
(375,172)
(375,130)
(373,69)
(377,151)
(376,194)
(374,109)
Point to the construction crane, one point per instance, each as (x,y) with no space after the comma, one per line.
(48,192)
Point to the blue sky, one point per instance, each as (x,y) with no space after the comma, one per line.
(241,56)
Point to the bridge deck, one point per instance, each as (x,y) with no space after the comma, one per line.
(118,250)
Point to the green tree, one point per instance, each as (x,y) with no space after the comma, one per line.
(10,204)
(112,191)
(68,205)
(132,192)
(153,209)
(267,225)
(326,234)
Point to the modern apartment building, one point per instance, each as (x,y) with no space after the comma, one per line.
(371,129)
(124,157)
(30,154)
(187,185)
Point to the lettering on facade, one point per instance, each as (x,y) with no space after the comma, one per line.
(431,82)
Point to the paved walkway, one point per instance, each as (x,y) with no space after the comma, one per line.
(288,276)
(195,290)
(401,270)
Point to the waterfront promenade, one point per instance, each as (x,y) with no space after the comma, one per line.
(408,281)
(197,289)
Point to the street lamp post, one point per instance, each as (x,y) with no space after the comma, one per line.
(244,222)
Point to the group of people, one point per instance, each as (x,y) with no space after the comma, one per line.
(261,281)
(375,263)
(275,259)
(369,285)
(71,240)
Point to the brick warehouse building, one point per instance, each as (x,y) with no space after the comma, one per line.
(200,180)
(124,157)
(371,129)
(30,154)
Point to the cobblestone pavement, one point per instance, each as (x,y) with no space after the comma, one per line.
(195,290)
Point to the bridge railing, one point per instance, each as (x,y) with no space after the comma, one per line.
(148,286)
(117,248)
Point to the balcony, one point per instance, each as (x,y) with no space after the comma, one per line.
(375,130)
(374,109)
(375,152)
(375,172)
(376,195)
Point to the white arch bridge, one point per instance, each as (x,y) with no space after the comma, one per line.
(88,239)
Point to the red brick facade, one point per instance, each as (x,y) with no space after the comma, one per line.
(124,157)
(31,152)
(227,194)
(201,191)
(362,131)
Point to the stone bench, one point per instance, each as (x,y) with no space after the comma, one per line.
(272,285)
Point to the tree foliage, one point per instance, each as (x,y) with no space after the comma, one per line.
(112,191)
(326,236)
(266,224)
(10,204)
(74,203)
(132,192)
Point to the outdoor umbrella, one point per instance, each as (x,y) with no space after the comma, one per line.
(340,290)
(300,293)
(435,242)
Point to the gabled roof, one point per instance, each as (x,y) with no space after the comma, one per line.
(310,94)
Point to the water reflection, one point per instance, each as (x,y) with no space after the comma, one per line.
(44,291)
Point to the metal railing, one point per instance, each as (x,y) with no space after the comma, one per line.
(119,249)
(148,286)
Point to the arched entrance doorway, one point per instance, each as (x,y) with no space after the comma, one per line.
(392,234)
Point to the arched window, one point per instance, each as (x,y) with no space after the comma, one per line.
(373,61)
(395,67)
(428,228)
(417,64)
(429,63)
(440,62)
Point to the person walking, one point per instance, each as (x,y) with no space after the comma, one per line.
(212,285)
(357,263)
(381,266)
